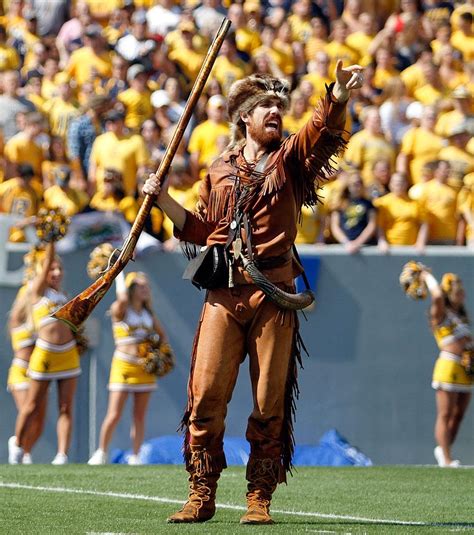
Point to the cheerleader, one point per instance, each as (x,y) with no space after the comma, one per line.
(23,339)
(133,324)
(55,357)
(452,375)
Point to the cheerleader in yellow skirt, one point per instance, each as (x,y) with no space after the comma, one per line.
(453,385)
(133,322)
(23,336)
(55,357)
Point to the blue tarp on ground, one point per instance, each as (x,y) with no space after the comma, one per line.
(332,450)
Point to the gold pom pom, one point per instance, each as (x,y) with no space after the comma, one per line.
(51,225)
(411,282)
(99,260)
(156,357)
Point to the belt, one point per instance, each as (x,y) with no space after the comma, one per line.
(274,261)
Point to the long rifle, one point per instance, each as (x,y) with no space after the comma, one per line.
(78,309)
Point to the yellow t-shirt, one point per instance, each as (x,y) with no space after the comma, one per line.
(382,76)
(301,29)
(292,124)
(227,72)
(138,107)
(313,45)
(399,217)
(360,42)
(71,201)
(101,8)
(204,140)
(337,51)
(439,203)
(319,83)
(9,60)
(125,154)
(189,60)
(283,59)
(421,146)
(466,202)
(413,78)
(49,89)
(447,120)
(129,206)
(364,149)
(247,40)
(84,65)
(462,163)
(19,149)
(60,114)
(429,95)
(21,200)
(309,228)
(463,43)
(187,198)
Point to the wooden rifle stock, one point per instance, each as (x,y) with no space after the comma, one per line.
(78,309)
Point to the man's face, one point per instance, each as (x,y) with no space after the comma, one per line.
(264,123)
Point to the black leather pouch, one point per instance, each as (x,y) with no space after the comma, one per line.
(209,269)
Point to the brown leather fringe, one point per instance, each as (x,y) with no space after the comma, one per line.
(221,204)
(190,250)
(203,462)
(291,395)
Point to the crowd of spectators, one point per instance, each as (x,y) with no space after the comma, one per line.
(91,91)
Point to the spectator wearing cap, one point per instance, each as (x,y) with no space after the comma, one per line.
(81,135)
(369,145)
(456,153)
(419,145)
(439,203)
(118,80)
(20,196)
(462,101)
(127,151)
(63,196)
(203,142)
(163,17)
(93,60)
(187,56)
(9,59)
(62,109)
(161,101)
(136,98)
(135,46)
(11,104)
(71,31)
(228,66)
(247,39)
(22,147)
(401,221)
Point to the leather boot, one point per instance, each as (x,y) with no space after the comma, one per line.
(262,475)
(201,504)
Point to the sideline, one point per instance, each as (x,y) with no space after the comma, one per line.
(332,516)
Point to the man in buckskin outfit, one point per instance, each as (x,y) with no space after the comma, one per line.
(249,203)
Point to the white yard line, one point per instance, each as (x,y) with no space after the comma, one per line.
(144,497)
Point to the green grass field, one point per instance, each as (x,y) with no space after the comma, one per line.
(81,499)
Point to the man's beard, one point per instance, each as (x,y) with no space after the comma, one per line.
(268,140)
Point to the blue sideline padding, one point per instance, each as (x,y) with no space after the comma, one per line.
(332,450)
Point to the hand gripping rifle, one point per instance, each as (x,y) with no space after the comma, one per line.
(78,309)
